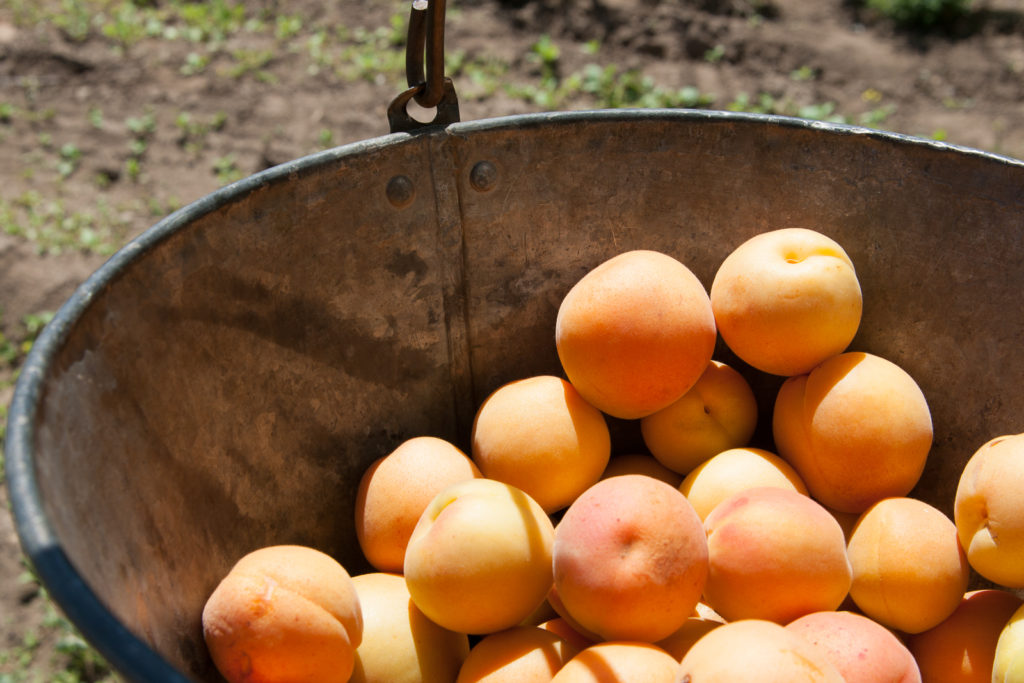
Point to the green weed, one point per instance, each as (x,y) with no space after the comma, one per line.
(921,13)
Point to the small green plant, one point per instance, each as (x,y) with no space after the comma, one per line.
(195,63)
(715,54)
(226,169)
(70,157)
(6,112)
(252,62)
(921,13)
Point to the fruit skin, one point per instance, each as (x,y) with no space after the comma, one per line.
(641,463)
(635,333)
(862,650)
(962,648)
(692,630)
(857,429)
(479,559)
(539,435)
(395,490)
(281,614)
(786,300)
(1008,664)
(719,412)
(630,559)
(735,470)
(523,654)
(774,554)
(755,650)
(909,570)
(988,510)
(619,662)
(400,645)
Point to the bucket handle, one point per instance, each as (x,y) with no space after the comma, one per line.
(428,85)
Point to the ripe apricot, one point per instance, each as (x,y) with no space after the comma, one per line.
(641,463)
(962,648)
(479,559)
(400,645)
(719,412)
(774,554)
(786,300)
(630,559)
(755,650)
(619,662)
(909,570)
(394,491)
(857,429)
(988,510)
(635,333)
(539,435)
(284,613)
(735,470)
(522,654)
(862,650)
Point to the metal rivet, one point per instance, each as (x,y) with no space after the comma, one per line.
(400,191)
(483,176)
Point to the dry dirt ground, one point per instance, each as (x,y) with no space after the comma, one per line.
(113,114)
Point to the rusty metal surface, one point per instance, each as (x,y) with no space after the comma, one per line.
(222,383)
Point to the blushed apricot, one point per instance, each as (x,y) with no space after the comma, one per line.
(862,650)
(692,630)
(400,645)
(774,554)
(539,435)
(909,570)
(619,662)
(962,648)
(735,470)
(284,613)
(522,654)
(719,412)
(395,490)
(630,559)
(755,650)
(635,333)
(857,429)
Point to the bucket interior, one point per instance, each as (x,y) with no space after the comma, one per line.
(222,383)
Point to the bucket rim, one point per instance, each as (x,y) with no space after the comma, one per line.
(128,654)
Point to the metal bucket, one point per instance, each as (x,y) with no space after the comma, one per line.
(221,383)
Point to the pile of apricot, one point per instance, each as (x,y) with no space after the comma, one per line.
(539,556)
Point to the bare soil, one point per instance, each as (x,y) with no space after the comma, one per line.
(964,84)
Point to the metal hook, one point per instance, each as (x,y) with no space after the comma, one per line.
(424,70)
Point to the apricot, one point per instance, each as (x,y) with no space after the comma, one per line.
(786,300)
(909,570)
(755,650)
(962,648)
(400,645)
(635,333)
(988,510)
(1008,666)
(735,470)
(619,662)
(630,559)
(692,630)
(539,435)
(719,412)
(479,559)
(857,429)
(284,613)
(523,654)
(774,554)
(641,463)
(395,490)
(561,627)
(862,650)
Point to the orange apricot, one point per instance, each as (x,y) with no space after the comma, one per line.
(635,333)
(284,613)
